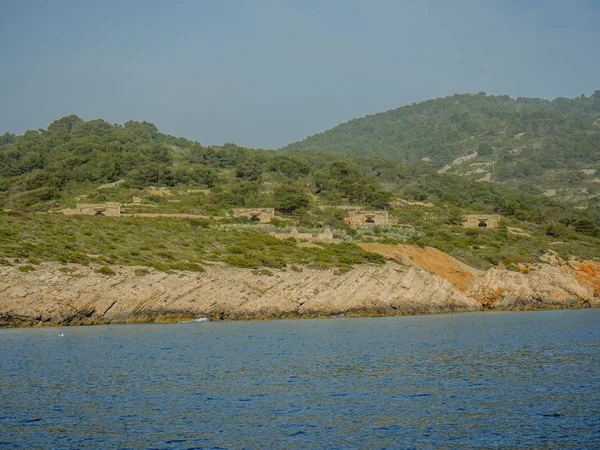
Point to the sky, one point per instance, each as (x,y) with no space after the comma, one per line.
(266,73)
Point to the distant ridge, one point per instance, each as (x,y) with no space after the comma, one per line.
(554,145)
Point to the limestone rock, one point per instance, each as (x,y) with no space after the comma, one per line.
(86,297)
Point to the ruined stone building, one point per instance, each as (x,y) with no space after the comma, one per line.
(367,218)
(481,221)
(95,209)
(259,215)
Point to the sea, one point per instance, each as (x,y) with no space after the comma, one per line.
(472,380)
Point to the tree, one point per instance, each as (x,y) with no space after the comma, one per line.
(289,167)
(290,198)
(66,123)
(587,226)
(250,170)
(455,217)
(485,149)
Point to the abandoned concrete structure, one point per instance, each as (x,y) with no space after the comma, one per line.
(95,209)
(367,218)
(259,215)
(481,221)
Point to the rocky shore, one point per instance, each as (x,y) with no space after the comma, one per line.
(415,280)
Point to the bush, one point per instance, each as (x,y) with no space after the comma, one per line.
(273,262)
(242,261)
(79,258)
(374,258)
(265,272)
(26,268)
(200,223)
(105,270)
(278,223)
(342,270)
(192,267)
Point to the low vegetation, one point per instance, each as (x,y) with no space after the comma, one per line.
(163,243)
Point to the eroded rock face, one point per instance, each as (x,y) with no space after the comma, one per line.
(546,286)
(50,296)
(552,285)
(419,281)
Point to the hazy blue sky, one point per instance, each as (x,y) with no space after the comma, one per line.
(267,73)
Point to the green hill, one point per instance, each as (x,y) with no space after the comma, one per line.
(553,146)
(76,161)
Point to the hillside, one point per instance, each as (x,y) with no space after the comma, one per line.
(549,146)
(150,174)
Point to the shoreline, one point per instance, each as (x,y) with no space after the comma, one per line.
(168,320)
(413,281)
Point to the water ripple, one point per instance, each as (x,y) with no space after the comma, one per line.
(454,381)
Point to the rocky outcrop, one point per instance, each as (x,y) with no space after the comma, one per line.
(48,295)
(415,281)
(556,285)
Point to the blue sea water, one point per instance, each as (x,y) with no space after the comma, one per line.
(506,379)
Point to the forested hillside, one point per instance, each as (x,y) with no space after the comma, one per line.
(73,157)
(552,146)
(75,161)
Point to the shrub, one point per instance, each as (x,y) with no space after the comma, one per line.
(200,223)
(265,272)
(192,267)
(389,241)
(374,258)
(273,262)
(163,267)
(512,268)
(342,270)
(79,258)
(278,223)
(26,268)
(105,270)
(242,261)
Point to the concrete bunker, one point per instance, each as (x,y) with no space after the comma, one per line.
(367,218)
(95,209)
(481,221)
(257,215)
